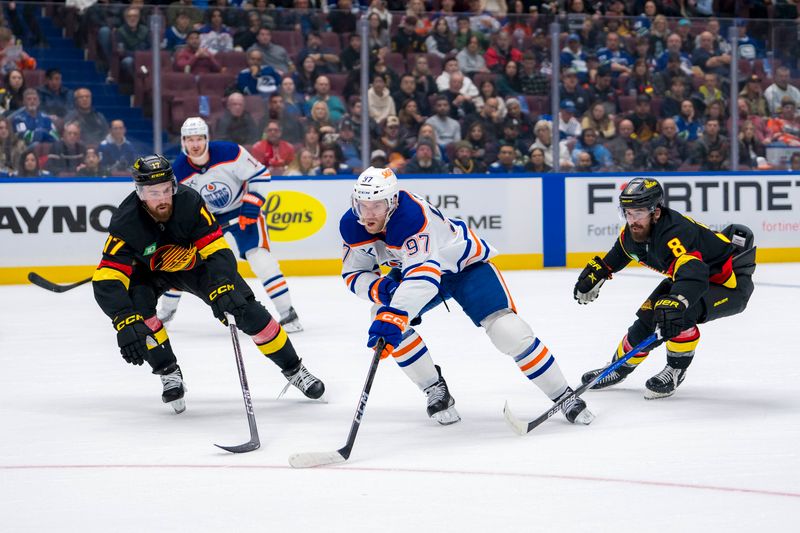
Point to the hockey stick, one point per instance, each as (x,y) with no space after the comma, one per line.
(311,459)
(39,281)
(254,443)
(522,427)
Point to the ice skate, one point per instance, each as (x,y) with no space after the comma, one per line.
(174,388)
(575,410)
(440,403)
(664,383)
(290,322)
(300,377)
(613,378)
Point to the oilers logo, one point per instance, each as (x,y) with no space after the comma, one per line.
(172,258)
(216,194)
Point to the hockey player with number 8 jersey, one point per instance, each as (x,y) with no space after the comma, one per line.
(432,258)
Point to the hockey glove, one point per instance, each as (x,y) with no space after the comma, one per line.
(225,298)
(591,279)
(252,203)
(132,336)
(382,289)
(668,312)
(389,323)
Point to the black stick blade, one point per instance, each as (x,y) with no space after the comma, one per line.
(242,448)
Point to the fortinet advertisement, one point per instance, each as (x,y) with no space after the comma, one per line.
(769,204)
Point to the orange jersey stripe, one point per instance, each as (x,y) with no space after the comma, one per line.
(425,269)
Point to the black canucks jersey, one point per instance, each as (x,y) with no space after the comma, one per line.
(689,253)
(190,238)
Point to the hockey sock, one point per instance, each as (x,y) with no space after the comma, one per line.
(540,366)
(624,347)
(278,292)
(680,349)
(266,267)
(170,301)
(273,342)
(413,358)
(160,354)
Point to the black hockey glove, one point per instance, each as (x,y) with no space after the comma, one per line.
(132,336)
(225,299)
(591,279)
(669,311)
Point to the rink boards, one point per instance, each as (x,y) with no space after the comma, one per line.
(57,226)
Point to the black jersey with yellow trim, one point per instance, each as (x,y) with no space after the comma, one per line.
(688,252)
(190,238)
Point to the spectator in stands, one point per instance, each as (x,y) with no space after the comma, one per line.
(426,85)
(720,44)
(274,55)
(709,60)
(416,8)
(56,99)
(544,139)
(568,125)
(710,139)
(293,102)
(426,131)
(424,161)
(489,118)
(644,121)
(468,88)
(602,90)
(573,57)
(184,6)
(305,76)
(510,136)
(235,125)
(532,81)
(484,147)
(597,119)
(717,111)
(750,147)
(524,123)
(194,59)
(710,91)
(461,106)
(381,67)
(505,163)
(780,89)
(266,12)
(584,163)
(326,59)
(488,90)
(117,152)
(671,103)
(131,36)
(501,53)
(311,142)
(175,35)
(272,151)
(406,40)
(330,162)
(30,124)
(408,91)
(215,36)
(784,128)
(441,40)
(28,165)
(537,162)
(349,146)
(662,80)
(624,140)
(101,17)
(447,129)
(379,101)
(684,31)
(351,56)
(641,80)
(674,48)
(571,90)
(320,116)
(291,127)
(302,165)
(464,162)
(794,162)
(659,31)
(642,51)
(677,148)
(714,161)
(587,143)
(342,20)
(464,32)
(481,19)
(246,37)
(93,124)
(688,123)
(378,33)
(10,148)
(355,117)
(92,165)
(11,93)
(12,56)
(257,78)
(68,152)
(410,118)
(754,97)
(392,140)
(470,58)
(509,83)
(322,93)
(300,18)
(660,161)
(617,58)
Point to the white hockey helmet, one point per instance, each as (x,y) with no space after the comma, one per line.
(376,184)
(194,126)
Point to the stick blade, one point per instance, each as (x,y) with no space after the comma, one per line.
(242,448)
(520,427)
(312,459)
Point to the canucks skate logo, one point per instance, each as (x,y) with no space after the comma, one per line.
(216,194)
(172,258)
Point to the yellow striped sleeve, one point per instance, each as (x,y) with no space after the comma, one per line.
(215,246)
(111,274)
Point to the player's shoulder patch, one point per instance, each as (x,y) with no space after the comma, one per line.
(222,152)
(408,219)
(352,232)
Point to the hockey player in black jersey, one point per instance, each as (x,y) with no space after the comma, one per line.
(163,236)
(709,276)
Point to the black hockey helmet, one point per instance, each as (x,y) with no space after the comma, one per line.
(152,169)
(642,192)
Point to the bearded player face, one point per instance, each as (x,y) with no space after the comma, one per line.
(158,200)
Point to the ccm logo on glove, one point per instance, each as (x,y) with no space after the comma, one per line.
(220,290)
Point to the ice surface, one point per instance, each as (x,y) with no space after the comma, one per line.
(86,444)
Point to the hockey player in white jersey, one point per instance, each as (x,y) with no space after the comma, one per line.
(234,185)
(434,258)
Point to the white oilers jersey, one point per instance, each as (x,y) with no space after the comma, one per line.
(420,241)
(229,173)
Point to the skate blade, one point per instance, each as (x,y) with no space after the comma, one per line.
(292,327)
(178,405)
(447,417)
(653,395)
(585,417)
